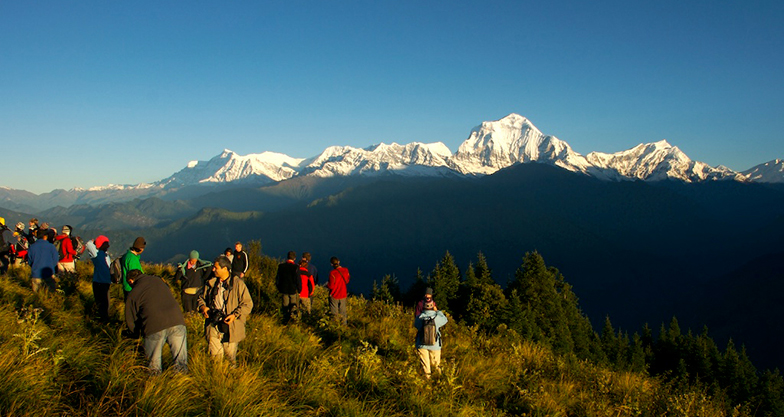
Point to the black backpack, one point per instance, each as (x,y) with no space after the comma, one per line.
(429,331)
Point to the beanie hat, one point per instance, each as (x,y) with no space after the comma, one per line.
(139,243)
(429,291)
(194,254)
(100,240)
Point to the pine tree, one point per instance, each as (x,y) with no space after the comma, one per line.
(738,375)
(445,280)
(534,288)
(388,291)
(417,289)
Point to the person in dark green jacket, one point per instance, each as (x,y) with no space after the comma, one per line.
(132,260)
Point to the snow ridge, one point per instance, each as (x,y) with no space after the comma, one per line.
(491,146)
(770,172)
(659,161)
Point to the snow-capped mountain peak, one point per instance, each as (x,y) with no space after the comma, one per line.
(513,139)
(413,158)
(229,166)
(658,161)
(771,171)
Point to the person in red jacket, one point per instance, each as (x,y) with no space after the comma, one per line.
(307,286)
(338,280)
(67,251)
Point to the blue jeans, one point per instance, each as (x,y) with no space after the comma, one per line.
(177,338)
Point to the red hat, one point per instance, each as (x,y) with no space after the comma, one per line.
(100,240)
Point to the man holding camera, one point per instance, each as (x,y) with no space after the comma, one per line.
(225,304)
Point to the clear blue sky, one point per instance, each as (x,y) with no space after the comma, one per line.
(129,92)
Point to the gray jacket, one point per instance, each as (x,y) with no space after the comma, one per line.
(238,302)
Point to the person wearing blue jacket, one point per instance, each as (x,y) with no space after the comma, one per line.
(102,278)
(43,258)
(429,355)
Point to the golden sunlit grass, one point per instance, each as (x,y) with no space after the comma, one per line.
(56,360)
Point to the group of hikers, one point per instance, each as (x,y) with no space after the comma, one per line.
(215,289)
(43,247)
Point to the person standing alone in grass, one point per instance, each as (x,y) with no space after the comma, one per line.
(338,292)
(132,260)
(225,304)
(428,338)
(152,311)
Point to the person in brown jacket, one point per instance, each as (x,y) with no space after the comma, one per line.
(226,305)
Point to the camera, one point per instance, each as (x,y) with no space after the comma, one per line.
(216,318)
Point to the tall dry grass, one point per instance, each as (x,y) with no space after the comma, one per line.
(55,359)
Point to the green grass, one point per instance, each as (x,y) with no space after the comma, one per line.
(56,360)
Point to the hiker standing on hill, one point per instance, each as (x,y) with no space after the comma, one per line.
(102,278)
(21,245)
(428,338)
(307,285)
(312,270)
(43,259)
(152,311)
(132,260)
(191,276)
(289,285)
(229,253)
(338,292)
(239,265)
(32,230)
(5,248)
(67,251)
(420,305)
(225,304)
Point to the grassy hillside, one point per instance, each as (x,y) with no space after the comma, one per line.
(56,360)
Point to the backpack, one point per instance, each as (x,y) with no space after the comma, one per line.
(115,270)
(429,331)
(78,245)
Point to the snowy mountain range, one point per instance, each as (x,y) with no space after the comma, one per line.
(490,147)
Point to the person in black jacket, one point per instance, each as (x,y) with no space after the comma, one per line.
(239,265)
(289,284)
(152,311)
(192,275)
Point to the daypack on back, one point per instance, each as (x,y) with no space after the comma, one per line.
(115,270)
(78,245)
(429,331)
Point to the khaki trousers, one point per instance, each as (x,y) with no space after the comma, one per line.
(218,348)
(67,267)
(430,360)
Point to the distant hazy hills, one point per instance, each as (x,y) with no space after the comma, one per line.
(490,147)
